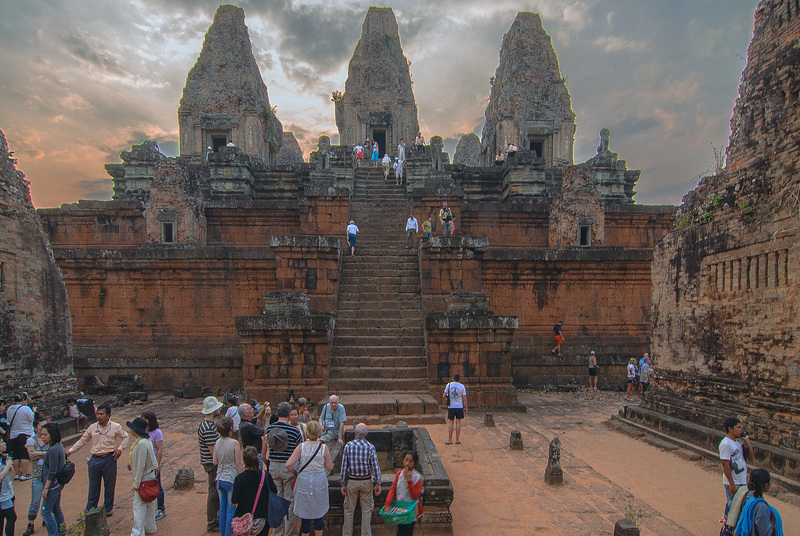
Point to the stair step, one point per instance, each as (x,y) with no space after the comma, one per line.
(380,372)
(381,340)
(379,351)
(379,384)
(343,331)
(371,319)
(390,362)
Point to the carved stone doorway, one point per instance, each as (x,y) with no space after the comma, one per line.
(379,135)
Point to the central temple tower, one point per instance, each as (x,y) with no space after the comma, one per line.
(378,101)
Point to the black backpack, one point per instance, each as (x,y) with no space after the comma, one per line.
(66,473)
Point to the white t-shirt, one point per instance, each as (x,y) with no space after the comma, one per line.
(352,229)
(455,390)
(731,450)
(631,372)
(23,423)
(233,413)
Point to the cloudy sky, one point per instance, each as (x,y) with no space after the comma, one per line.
(82,80)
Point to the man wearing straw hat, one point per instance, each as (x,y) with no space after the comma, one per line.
(207,436)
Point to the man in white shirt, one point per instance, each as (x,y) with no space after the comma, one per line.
(734,460)
(21,418)
(455,396)
(412,228)
(352,231)
(398,171)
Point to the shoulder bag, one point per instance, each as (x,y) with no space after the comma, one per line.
(247,525)
(294,480)
(446,396)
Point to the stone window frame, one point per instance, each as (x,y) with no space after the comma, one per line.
(167,219)
(584,224)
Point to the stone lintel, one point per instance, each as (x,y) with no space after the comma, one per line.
(320,242)
(326,191)
(468,303)
(285,322)
(467,320)
(467,242)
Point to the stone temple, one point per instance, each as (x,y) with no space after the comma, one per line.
(226,267)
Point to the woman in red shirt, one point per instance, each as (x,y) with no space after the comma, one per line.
(407,486)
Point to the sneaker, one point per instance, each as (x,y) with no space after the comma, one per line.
(26,477)
(160,514)
(29,530)
(16,477)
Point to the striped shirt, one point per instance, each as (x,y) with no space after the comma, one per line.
(359,460)
(295,438)
(207,437)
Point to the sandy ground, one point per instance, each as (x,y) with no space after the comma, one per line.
(497,491)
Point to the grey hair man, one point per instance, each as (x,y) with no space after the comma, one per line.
(360,478)
(332,420)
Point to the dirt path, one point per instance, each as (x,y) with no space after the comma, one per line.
(497,491)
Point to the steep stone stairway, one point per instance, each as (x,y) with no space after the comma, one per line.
(378,361)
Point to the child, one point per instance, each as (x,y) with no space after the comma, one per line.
(8,516)
(426,227)
(81,421)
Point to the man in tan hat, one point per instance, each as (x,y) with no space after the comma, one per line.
(207,436)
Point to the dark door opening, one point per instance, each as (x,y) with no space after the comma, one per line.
(379,135)
(537,146)
(218,142)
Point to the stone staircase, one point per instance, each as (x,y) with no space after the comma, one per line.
(378,361)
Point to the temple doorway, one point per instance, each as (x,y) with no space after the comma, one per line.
(379,135)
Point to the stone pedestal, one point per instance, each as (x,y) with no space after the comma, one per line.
(626,527)
(488,420)
(515,443)
(553,475)
(184,479)
(286,348)
(472,341)
(96,523)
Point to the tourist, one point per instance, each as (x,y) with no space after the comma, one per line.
(207,438)
(233,414)
(81,420)
(401,151)
(294,420)
(426,227)
(407,487)
(8,516)
(303,415)
(512,150)
(157,439)
(283,439)
(645,370)
(247,488)
(412,228)
(311,480)
(398,171)
(592,371)
(640,366)
(758,518)
(558,334)
(4,424)
(359,155)
(387,165)
(375,154)
(446,217)
(20,418)
(36,452)
(228,459)
(360,478)
(734,460)
(332,419)
(352,231)
(419,143)
(252,435)
(499,159)
(455,398)
(631,389)
(143,466)
(54,461)
(108,440)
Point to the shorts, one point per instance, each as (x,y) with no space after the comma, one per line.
(16,447)
(559,339)
(359,156)
(592,371)
(455,413)
(352,239)
(631,380)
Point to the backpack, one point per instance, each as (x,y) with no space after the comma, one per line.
(66,473)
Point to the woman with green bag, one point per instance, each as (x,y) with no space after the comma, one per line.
(406,488)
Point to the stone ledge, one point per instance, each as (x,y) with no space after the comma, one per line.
(576,253)
(467,242)
(163,253)
(312,322)
(305,242)
(470,321)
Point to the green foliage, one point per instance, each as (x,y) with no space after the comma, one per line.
(683,222)
(716,201)
(633,513)
(706,217)
(76,528)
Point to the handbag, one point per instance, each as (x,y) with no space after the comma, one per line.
(7,433)
(247,525)
(148,490)
(294,480)
(66,473)
(278,508)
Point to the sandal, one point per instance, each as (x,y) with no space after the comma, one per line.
(458,442)
(448,442)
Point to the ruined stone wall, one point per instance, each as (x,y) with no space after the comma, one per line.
(35,327)
(725,303)
(95,224)
(165,314)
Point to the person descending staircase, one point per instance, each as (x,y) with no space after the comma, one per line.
(378,361)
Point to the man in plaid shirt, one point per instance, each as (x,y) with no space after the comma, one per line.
(360,472)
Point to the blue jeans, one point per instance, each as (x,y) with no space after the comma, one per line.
(160,500)
(728,499)
(226,509)
(52,515)
(36,497)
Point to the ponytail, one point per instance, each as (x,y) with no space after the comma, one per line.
(758,479)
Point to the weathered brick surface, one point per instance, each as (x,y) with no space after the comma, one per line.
(725,303)
(103,224)
(310,265)
(35,329)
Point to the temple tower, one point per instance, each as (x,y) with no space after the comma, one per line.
(225,99)
(378,100)
(529,104)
